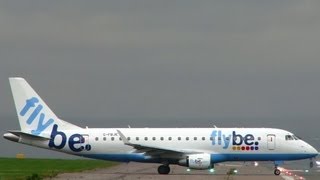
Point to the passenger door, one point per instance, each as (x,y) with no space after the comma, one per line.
(271,141)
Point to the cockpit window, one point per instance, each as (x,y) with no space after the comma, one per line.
(289,138)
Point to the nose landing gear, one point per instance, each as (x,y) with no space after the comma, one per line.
(277,171)
(311,163)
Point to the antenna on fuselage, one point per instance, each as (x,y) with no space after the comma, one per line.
(215,126)
(129,126)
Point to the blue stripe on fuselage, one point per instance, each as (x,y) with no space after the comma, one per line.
(122,157)
(259,157)
(215,158)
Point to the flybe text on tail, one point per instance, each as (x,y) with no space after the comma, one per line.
(76,142)
(33,104)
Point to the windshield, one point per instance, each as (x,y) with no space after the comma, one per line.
(291,137)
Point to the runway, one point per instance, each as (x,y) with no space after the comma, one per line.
(133,171)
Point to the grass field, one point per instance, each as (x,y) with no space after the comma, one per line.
(12,168)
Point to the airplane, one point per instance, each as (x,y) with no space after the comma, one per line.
(195,148)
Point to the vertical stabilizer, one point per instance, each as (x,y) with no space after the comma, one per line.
(35,117)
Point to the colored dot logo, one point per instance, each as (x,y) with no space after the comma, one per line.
(245,148)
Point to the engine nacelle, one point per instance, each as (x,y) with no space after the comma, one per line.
(197,161)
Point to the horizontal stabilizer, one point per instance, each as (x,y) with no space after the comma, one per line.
(20,133)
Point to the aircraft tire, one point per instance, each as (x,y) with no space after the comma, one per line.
(163,169)
(277,172)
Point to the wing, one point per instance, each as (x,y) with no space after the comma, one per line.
(154,150)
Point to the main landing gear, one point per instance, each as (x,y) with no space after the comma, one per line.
(164,169)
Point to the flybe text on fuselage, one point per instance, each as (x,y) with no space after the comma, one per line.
(238,141)
(75,141)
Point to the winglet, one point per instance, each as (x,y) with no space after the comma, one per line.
(124,139)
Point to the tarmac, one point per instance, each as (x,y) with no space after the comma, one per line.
(140,171)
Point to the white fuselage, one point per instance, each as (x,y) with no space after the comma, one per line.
(223,144)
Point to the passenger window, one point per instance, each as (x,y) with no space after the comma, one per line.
(154,138)
(161,138)
(120,138)
(146,138)
(169,138)
(179,138)
(128,138)
(137,138)
(104,138)
(203,138)
(112,138)
(187,138)
(195,138)
(97,139)
(211,138)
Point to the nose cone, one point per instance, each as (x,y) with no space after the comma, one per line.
(311,150)
(307,150)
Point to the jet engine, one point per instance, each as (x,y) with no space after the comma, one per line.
(197,161)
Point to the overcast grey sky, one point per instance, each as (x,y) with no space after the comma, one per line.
(159,60)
